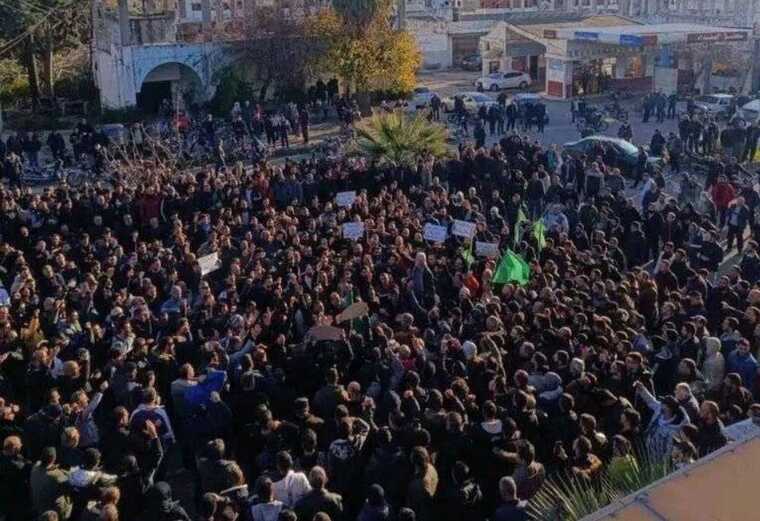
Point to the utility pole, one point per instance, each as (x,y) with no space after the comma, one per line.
(402,15)
(755,86)
(31,68)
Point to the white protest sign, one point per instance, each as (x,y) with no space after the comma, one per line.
(463,229)
(210,263)
(345,198)
(435,233)
(353,230)
(355,310)
(486,249)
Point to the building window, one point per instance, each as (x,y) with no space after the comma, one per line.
(196,7)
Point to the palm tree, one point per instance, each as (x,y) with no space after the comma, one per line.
(400,140)
(569,498)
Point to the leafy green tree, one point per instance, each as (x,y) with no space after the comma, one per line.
(35,30)
(374,56)
(281,50)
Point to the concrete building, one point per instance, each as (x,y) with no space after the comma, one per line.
(602,53)
(140,59)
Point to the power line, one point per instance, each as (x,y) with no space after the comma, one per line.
(10,45)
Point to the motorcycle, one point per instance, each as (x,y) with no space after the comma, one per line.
(615,111)
(594,121)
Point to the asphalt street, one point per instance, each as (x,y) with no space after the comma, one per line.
(560,129)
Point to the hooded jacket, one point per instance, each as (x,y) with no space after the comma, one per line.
(661,430)
(159,505)
(714,367)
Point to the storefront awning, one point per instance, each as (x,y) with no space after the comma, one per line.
(652,35)
(518,49)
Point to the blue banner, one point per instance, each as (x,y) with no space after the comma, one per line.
(585,35)
(630,40)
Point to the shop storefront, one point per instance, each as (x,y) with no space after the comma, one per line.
(633,57)
(588,58)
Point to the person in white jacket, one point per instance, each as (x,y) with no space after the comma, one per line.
(293,485)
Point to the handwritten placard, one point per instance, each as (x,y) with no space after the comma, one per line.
(486,249)
(463,229)
(319,333)
(345,199)
(355,310)
(353,230)
(435,233)
(209,263)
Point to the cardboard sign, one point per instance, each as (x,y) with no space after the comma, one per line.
(209,263)
(463,229)
(318,333)
(435,233)
(345,199)
(353,230)
(486,249)
(355,310)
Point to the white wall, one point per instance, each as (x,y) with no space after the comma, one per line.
(666,79)
(121,72)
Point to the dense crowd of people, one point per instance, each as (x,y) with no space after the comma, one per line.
(131,357)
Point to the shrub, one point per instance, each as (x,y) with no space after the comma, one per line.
(30,121)
(231,87)
(126,116)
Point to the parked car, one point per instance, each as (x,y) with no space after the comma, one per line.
(503,80)
(472,101)
(626,154)
(750,112)
(472,62)
(420,98)
(715,104)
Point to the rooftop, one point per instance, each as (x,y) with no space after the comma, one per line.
(721,486)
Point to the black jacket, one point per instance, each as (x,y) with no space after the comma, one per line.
(320,501)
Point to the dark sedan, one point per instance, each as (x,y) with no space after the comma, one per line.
(626,154)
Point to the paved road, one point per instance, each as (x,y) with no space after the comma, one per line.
(560,129)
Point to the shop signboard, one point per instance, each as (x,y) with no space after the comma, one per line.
(649,40)
(555,71)
(730,36)
(586,35)
(631,40)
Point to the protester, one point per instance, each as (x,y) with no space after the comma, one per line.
(223,327)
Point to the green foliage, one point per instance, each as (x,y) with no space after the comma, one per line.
(31,121)
(397,139)
(76,86)
(231,87)
(569,498)
(374,57)
(13,82)
(358,12)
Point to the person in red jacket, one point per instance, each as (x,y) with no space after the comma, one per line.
(149,205)
(722,194)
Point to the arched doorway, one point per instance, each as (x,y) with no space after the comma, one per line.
(173,84)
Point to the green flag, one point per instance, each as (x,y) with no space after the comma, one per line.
(467,254)
(539,232)
(512,268)
(518,225)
